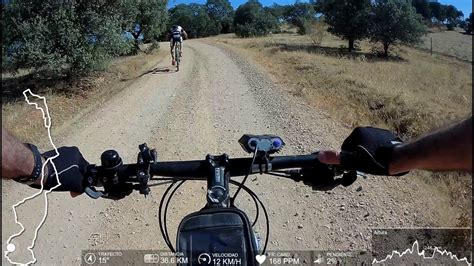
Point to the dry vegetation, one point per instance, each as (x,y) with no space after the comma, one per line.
(454,43)
(68,100)
(411,92)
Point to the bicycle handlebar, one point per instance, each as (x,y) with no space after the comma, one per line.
(199,168)
(115,176)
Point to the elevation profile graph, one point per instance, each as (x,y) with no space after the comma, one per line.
(440,246)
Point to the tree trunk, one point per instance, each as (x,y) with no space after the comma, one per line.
(351,45)
(385,49)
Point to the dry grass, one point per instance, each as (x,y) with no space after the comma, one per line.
(68,100)
(411,92)
(454,43)
(316,30)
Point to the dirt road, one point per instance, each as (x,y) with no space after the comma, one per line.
(204,108)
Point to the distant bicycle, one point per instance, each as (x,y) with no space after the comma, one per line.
(175,35)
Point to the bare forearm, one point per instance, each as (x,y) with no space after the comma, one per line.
(17,159)
(446,149)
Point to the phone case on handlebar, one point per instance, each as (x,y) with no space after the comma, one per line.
(216,234)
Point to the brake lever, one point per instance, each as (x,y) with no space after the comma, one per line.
(90,183)
(113,189)
(93,193)
(118,192)
(114,195)
(323,177)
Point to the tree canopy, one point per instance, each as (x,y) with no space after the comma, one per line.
(347,19)
(469,22)
(395,21)
(422,7)
(299,15)
(251,19)
(222,13)
(194,19)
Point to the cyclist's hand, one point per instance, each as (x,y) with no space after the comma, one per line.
(71,168)
(367,149)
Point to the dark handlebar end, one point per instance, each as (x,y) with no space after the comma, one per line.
(110,159)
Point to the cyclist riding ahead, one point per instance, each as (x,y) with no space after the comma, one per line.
(176,34)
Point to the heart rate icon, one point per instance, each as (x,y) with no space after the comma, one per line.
(260,258)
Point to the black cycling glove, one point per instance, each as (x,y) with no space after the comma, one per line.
(369,150)
(71,168)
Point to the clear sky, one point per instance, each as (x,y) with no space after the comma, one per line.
(464,5)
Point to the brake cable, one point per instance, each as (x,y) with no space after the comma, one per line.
(247,189)
(267,221)
(232,200)
(166,210)
(241,185)
(277,174)
(168,243)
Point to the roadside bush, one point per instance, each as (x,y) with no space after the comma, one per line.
(61,37)
(154,45)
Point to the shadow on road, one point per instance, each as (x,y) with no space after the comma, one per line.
(156,70)
(161,70)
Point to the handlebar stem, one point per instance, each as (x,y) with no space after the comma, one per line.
(218,181)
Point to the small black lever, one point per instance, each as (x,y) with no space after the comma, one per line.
(91,192)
